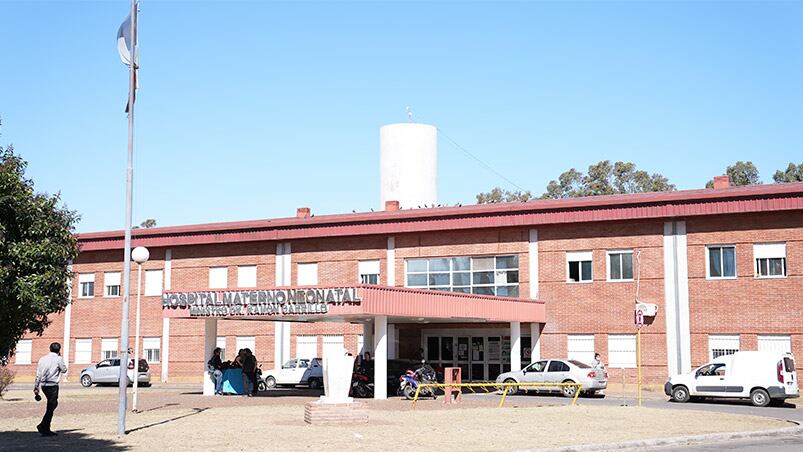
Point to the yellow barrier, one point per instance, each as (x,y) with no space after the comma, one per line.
(496,386)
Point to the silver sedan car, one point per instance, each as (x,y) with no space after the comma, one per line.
(108,371)
(557,371)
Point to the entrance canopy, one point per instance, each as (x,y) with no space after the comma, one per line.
(354,304)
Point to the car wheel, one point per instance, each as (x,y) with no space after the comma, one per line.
(510,389)
(568,391)
(270,382)
(590,393)
(760,397)
(86,381)
(680,394)
(314,383)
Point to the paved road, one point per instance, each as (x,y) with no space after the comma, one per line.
(785,444)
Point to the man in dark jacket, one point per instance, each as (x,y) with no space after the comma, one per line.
(250,385)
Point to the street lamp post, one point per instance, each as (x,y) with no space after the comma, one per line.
(140,255)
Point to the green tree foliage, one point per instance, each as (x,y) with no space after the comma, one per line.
(36,245)
(499,195)
(147,224)
(793,173)
(604,178)
(740,173)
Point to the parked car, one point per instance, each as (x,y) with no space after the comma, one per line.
(108,371)
(557,371)
(297,371)
(762,377)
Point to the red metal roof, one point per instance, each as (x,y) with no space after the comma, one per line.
(684,203)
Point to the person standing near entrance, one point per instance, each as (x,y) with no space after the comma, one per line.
(48,373)
(597,363)
(249,362)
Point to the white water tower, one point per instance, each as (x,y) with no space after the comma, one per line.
(408,164)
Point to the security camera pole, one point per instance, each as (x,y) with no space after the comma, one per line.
(127,46)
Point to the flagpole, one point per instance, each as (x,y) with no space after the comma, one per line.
(129,185)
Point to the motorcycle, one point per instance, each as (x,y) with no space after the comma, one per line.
(361,385)
(261,385)
(408,383)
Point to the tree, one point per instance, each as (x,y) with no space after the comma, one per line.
(603,178)
(149,223)
(36,246)
(740,173)
(499,195)
(793,173)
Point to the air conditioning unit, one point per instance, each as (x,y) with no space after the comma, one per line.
(648,309)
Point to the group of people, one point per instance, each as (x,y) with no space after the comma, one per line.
(245,360)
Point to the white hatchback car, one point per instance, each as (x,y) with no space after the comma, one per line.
(557,371)
(760,376)
(297,371)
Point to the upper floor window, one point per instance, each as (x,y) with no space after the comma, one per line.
(153,283)
(218,277)
(620,265)
(770,260)
(86,285)
(721,261)
(494,275)
(369,271)
(308,274)
(247,276)
(578,264)
(111,284)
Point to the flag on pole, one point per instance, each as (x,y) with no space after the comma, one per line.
(127,41)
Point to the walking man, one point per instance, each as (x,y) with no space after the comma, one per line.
(48,373)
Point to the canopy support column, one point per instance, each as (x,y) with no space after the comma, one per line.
(210,342)
(515,346)
(381,357)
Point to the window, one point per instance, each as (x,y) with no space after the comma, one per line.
(722,345)
(711,370)
(308,274)
(83,351)
(580,347)
(770,260)
(332,346)
(622,351)
(111,284)
(22,352)
(775,343)
(218,277)
(307,346)
(221,344)
(721,261)
(108,348)
(86,283)
(153,283)
(620,265)
(150,348)
(249,342)
(578,264)
(247,276)
(369,272)
(493,275)
(558,366)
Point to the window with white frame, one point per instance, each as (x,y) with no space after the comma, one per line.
(308,274)
(332,345)
(580,347)
(247,276)
(369,271)
(221,344)
(775,343)
(578,266)
(622,351)
(720,261)
(22,353)
(306,347)
(111,284)
(218,277)
(83,351)
(249,342)
(86,285)
(721,345)
(153,283)
(620,265)
(492,275)
(770,260)
(150,348)
(108,348)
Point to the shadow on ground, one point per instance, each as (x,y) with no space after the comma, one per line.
(165,421)
(66,440)
(281,392)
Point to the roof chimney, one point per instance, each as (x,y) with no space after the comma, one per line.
(303,212)
(391,206)
(721,182)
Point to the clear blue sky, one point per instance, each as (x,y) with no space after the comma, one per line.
(248,110)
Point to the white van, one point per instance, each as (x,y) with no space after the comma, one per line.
(760,376)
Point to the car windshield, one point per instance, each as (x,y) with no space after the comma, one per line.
(579,364)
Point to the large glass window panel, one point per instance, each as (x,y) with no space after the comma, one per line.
(432,348)
(616,266)
(586,271)
(447,353)
(438,265)
(507,291)
(507,262)
(574,271)
(483,278)
(729,261)
(417,280)
(462,289)
(461,263)
(483,290)
(439,279)
(627,266)
(417,266)
(461,279)
(715,262)
(483,263)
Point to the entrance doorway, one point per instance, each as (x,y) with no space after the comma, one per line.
(482,355)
